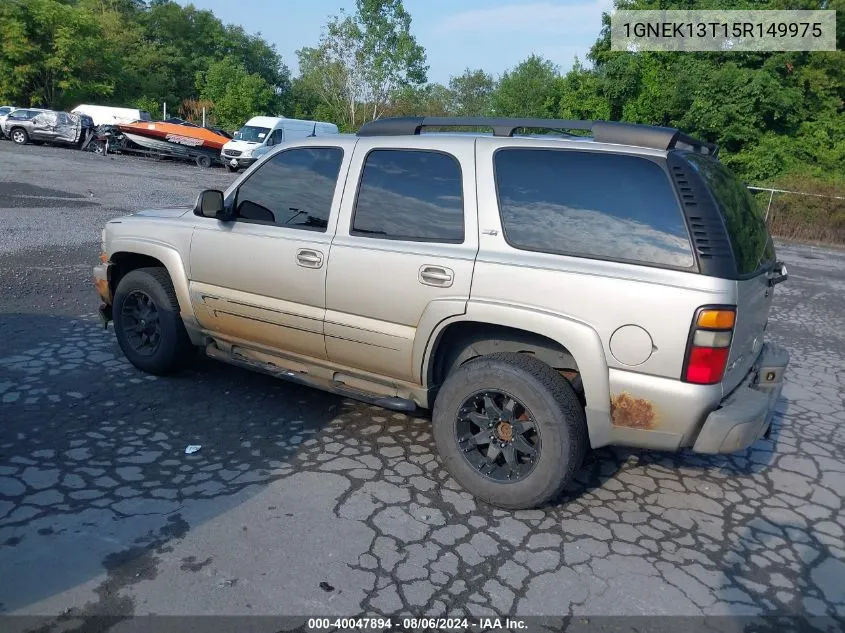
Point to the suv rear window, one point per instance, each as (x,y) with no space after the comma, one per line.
(752,245)
(591,204)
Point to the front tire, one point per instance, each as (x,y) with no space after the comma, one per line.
(510,430)
(147,322)
(203,161)
(97,147)
(19,136)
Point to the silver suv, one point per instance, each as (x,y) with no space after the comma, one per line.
(543,294)
(47,126)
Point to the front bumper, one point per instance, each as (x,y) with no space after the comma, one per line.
(101,283)
(746,414)
(239,162)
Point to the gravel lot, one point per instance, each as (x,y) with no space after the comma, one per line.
(301,503)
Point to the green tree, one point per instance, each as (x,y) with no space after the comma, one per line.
(362,59)
(472,93)
(528,90)
(236,94)
(54,53)
(580,96)
(332,73)
(391,56)
(773,114)
(428,100)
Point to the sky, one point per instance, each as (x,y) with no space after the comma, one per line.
(457,34)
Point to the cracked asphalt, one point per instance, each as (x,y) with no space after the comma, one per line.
(301,503)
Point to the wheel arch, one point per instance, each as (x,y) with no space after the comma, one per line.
(560,342)
(131,255)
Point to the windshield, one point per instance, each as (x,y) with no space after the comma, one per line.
(252,134)
(5,111)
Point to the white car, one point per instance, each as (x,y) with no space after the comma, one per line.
(262,133)
(4,112)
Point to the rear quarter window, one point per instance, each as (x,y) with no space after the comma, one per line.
(591,204)
(750,240)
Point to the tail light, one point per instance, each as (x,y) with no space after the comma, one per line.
(709,345)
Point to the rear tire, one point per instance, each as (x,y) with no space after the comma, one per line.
(525,394)
(147,322)
(19,136)
(203,161)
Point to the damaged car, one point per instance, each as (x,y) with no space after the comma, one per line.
(48,126)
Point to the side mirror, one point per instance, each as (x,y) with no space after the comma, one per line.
(779,274)
(209,204)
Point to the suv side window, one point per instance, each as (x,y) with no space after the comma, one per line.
(294,189)
(590,204)
(412,195)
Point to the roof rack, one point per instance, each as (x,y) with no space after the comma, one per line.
(663,138)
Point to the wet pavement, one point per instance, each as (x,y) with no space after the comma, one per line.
(301,503)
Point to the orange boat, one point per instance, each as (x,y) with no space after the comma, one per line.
(161,135)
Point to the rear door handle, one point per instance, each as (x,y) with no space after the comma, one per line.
(309,258)
(436,276)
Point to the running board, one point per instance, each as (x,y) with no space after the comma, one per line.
(393,403)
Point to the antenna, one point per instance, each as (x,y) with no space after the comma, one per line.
(314,131)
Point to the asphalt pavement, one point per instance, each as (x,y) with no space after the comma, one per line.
(299,503)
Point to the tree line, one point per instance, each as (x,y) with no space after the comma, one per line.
(776,115)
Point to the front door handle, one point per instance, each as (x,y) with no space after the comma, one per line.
(436,276)
(309,258)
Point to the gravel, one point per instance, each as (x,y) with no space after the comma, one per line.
(58,197)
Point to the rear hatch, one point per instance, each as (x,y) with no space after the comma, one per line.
(754,254)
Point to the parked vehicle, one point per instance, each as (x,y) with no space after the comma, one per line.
(108,138)
(4,112)
(543,294)
(177,140)
(19,115)
(262,133)
(48,126)
(109,115)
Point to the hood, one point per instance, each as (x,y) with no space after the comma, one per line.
(241,146)
(162,213)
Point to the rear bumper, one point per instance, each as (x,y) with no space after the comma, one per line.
(746,414)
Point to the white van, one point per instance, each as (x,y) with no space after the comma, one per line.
(107,115)
(262,133)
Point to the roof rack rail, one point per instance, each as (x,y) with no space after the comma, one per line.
(654,137)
